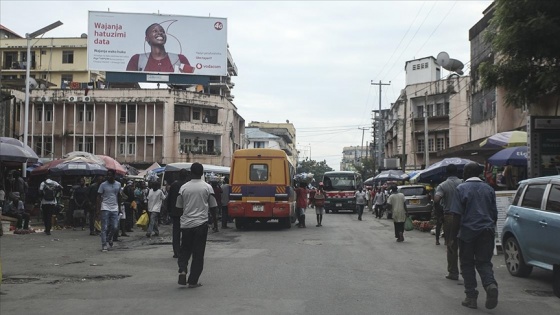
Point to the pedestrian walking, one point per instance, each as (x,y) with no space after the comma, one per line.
(225,200)
(195,197)
(475,202)
(176,212)
(369,199)
(156,196)
(379,201)
(108,201)
(319,202)
(213,212)
(128,191)
(398,207)
(80,200)
(445,194)
(48,190)
(360,196)
(92,204)
(301,204)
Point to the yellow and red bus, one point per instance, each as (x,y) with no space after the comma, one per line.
(261,188)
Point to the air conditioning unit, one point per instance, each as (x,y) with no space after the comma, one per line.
(72,99)
(151,140)
(88,99)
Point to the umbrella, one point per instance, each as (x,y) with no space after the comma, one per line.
(76,166)
(396,175)
(516,156)
(369,181)
(79,167)
(9,154)
(505,139)
(112,164)
(13,153)
(437,171)
(87,155)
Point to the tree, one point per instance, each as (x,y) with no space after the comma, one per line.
(314,167)
(365,168)
(525,37)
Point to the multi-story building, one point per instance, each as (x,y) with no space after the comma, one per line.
(286,131)
(427,112)
(73,109)
(353,155)
(256,138)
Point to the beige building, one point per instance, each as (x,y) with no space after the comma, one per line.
(73,109)
(134,126)
(286,131)
(351,156)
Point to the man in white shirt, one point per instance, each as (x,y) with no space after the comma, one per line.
(196,197)
(108,201)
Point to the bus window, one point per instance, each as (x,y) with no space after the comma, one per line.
(258,172)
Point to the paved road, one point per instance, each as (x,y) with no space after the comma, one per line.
(345,267)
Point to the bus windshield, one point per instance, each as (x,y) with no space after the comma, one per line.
(339,182)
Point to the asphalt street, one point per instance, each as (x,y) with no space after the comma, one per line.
(344,267)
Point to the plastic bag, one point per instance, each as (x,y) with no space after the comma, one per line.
(143,220)
(408,226)
(97,225)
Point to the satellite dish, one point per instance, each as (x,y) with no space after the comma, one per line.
(442,58)
(449,64)
(33,84)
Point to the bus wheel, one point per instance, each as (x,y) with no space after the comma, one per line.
(239,224)
(285,223)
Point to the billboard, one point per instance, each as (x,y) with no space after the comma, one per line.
(154,43)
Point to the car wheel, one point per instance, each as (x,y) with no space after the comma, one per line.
(514,259)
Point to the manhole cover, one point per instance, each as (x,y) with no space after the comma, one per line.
(540,293)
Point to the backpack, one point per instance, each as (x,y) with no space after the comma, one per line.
(49,193)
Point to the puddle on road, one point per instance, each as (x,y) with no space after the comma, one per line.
(73,279)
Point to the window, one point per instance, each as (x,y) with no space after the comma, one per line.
(67,56)
(86,115)
(86,145)
(45,147)
(439,109)
(11,60)
(430,112)
(127,148)
(128,114)
(196,114)
(65,80)
(185,145)
(420,145)
(259,144)
(533,196)
(48,112)
(182,113)
(440,144)
(419,111)
(258,172)
(210,116)
(413,67)
(553,202)
(446,109)
(430,145)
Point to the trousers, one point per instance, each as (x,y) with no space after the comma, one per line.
(477,254)
(193,243)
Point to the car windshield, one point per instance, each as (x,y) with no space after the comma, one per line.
(413,191)
(339,182)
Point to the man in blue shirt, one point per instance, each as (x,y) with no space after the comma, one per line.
(475,202)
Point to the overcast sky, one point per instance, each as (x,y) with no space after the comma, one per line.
(309,62)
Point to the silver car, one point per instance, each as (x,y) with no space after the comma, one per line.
(417,199)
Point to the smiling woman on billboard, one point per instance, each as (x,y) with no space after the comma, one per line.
(158,60)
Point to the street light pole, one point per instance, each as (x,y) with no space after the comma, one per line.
(29,36)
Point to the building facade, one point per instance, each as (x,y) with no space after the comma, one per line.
(353,155)
(286,131)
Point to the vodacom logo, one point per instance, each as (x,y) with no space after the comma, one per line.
(199,66)
(218,26)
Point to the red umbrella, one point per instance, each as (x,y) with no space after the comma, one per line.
(44,169)
(112,164)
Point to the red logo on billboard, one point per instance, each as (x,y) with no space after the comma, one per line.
(199,66)
(218,26)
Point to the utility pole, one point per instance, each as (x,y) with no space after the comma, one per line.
(362,146)
(426,152)
(404,134)
(381,142)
